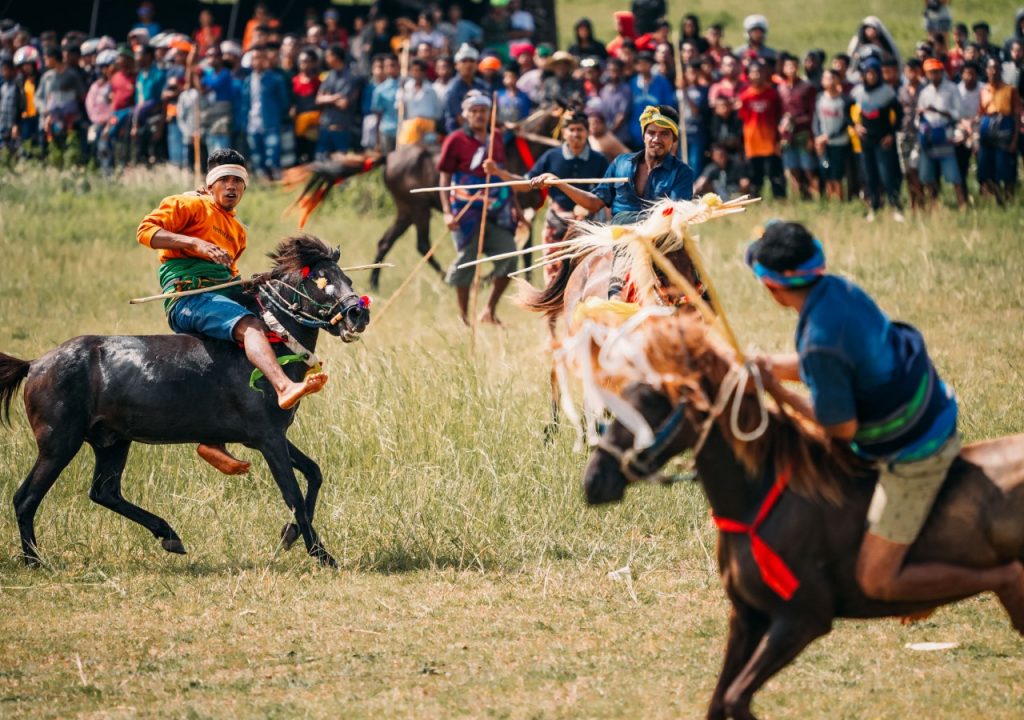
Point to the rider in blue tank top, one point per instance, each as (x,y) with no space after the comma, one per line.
(873,385)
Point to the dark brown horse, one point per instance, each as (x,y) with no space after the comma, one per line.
(977,520)
(110,391)
(415,166)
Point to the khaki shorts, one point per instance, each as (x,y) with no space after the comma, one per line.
(906,492)
(497,241)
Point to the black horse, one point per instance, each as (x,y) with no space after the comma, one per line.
(814,527)
(109,391)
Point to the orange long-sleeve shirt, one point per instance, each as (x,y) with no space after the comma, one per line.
(197,216)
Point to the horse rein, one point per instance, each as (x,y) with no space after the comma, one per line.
(270,290)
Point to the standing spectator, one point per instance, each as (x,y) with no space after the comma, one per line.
(726,128)
(647,13)
(876,107)
(938,112)
(665,63)
(724,175)
(208,35)
(937,19)
(696,116)
(63,93)
(177,155)
(25,59)
(756,29)
(647,89)
(334,32)
(1012,66)
(760,110)
(999,134)
(531,75)
(146,13)
(586,45)
(689,31)
(265,106)
(219,117)
(602,139)
(12,105)
(908,143)
(384,105)
(831,133)
(797,96)
(261,18)
(729,85)
(513,104)
(426,32)
(465,65)
(561,85)
(147,120)
(521,25)
(305,87)
(489,71)
(591,76)
(460,31)
(338,100)
(982,38)
(814,65)
(422,108)
(1018,33)
(444,74)
(617,101)
(716,50)
(625,29)
(370,137)
(872,39)
(969,90)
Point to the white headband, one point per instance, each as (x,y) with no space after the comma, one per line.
(224,171)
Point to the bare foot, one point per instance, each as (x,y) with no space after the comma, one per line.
(914,617)
(310,384)
(489,317)
(1012,598)
(220,458)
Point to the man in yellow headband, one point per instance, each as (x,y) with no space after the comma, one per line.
(654,173)
(200,241)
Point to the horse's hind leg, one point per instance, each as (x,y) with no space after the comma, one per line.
(54,455)
(106,491)
(387,240)
(552,427)
(280,461)
(423,240)
(746,628)
(314,478)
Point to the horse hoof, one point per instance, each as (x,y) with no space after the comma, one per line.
(326,560)
(173,545)
(550,433)
(289,534)
(32,561)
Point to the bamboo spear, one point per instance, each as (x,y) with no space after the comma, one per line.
(233,283)
(513,183)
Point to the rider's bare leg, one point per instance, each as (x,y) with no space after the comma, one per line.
(249,332)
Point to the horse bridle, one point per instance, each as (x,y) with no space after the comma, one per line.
(732,387)
(327,315)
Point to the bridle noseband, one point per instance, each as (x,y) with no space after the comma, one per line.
(273,290)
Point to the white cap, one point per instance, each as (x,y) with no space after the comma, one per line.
(755,21)
(106,57)
(467,52)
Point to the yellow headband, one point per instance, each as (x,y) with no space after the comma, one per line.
(651,114)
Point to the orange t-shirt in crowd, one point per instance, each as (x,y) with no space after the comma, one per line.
(250,28)
(760,111)
(196,215)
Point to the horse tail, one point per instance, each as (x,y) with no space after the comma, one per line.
(12,372)
(549,301)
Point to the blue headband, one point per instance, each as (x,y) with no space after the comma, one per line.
(802,275)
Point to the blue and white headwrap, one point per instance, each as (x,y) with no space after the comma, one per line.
(802,275)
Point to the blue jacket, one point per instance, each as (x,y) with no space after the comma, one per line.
(659,92)
(672,179)
(274,99)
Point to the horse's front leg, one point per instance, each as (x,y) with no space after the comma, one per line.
(746,628)
(277,456)
(314,479)
(786,638)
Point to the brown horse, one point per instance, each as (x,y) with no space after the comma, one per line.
(415,166)
(813,530)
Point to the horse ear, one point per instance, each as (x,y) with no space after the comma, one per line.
(336,254)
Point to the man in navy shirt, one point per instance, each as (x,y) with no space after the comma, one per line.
(873,386)
(466,67)
(574,159)
(654,173)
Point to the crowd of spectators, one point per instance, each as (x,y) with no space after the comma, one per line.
(864,122)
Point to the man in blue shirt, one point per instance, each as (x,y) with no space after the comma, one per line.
(646,89)
(465,65)
(574,159)
(873,385)
(265,104)
(654,173)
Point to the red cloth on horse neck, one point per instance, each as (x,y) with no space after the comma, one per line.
(529,162)
(774,571)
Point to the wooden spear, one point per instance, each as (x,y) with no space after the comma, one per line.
(513,183)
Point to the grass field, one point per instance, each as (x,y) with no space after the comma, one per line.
(473,580)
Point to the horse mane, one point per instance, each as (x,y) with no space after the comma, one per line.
(694,363)
(300,251)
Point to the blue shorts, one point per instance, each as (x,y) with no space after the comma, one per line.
(799,158)
(929,167)
(207,314)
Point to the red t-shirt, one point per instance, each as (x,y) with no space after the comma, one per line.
(122,90)
(463,153)
(760,112)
